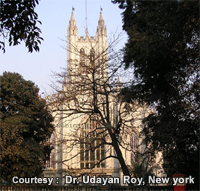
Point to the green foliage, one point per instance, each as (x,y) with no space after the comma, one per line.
(19,23)
(25,128)
(163,47)
(141,167)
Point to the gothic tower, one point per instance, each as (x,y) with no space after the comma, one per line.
(80,49)
(79,138)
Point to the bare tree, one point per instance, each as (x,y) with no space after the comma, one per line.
(96,123)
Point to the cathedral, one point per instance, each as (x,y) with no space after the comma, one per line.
(90,119)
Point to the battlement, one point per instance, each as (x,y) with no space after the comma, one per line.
(82,38)
(92,38)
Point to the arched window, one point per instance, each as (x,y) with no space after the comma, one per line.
(92,145)
(92,55)
(82,57)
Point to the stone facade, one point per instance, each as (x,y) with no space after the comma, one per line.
(78,140)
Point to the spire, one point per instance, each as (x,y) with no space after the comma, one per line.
(72,20)
(72,24)
(100,17)
(101,29)
(72,17)
(101,21)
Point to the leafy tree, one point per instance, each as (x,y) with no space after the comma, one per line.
(19,23)
(163,47)
(141,169)
(25,128)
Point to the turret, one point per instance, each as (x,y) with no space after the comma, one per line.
(101,29)
(72,26)
(72,38)
(101,35)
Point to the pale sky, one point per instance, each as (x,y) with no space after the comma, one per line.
(55,16)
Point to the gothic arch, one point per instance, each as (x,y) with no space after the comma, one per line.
(92,54)
(82,59)
(92,149)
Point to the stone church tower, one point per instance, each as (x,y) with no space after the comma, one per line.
(82,54)
(77,46)
(78,139)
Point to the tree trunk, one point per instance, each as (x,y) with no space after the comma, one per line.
(119,154)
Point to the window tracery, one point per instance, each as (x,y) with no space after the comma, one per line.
(82,58)
(92,149)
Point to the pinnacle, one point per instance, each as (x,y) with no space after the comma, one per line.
(100,18)
(72,17)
